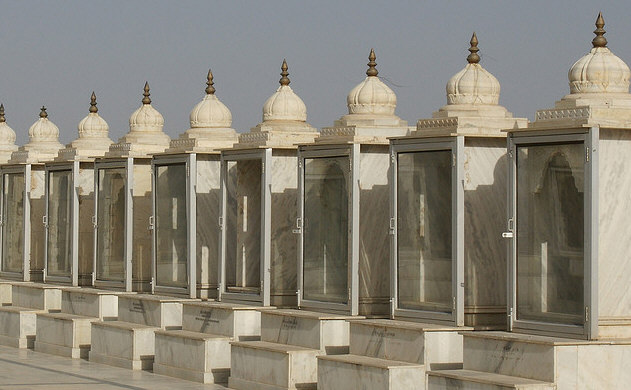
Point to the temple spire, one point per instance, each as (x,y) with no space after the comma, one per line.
(372,65)
(93,108)
(210,89)
(284,80)
(2,118)
(600,40)
(473,57)
(146,99)
(43,113)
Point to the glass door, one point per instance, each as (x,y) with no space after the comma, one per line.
(14,216)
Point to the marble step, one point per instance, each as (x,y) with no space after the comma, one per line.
(435,346)
(37,296)
(123,344)
(261,365)
(363,372)
(64,334)
(240,322)
(18,326)
(90,302)
(152,310)
(328,333)
(476,380)
(194,356)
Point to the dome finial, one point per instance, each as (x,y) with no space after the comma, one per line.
(146,94)
(372,65)
(473,58)
(93,108)
(43,113)
(284,80)
(600,40)
(2,118)
(210,90)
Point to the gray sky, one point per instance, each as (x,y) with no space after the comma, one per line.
(56,53)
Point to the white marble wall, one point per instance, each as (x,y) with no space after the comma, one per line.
(141,242)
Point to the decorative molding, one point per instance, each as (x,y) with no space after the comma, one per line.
(437,123)
(556,114)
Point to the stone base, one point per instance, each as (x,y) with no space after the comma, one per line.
(37,296)
(152,310)
(18,326)
(475,380)
(6,289)
(363,372)
(123,344)
(64,334)
(90,302)
(265,365)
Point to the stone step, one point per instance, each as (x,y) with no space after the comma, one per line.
(37,296)
(123,344)
(152,310)
(194,356)
(328,333)
(90,302)
(476,380)
(261,365)
(18,326)
(64,334)
(363,372)
(435,346)
(240,322)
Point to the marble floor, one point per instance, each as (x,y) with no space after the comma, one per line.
(26,369)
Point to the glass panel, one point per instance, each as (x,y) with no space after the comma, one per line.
(424,231)
(110,241)
(326,229)
(13,226)
(59,223)
(550,228)
(170,225)
(243,224)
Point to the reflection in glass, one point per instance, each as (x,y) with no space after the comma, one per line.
(325,265)
(243,226)
(59,226)
(170,225)
(424,230)
(550,228)
(13,223)
(110,240)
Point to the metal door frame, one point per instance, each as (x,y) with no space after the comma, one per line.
(24,169)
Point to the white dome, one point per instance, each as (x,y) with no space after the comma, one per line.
(473,84)
(43,130)
(210,112)
(371,96)
(93,126)
(146,118)
(284,104)
(7,135)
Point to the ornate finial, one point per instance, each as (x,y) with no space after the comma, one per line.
(43,113)
(473,58)
(210,90)
(146,94)
(2,118)
(284,80)
(372,65)
(93,108)
(600,40)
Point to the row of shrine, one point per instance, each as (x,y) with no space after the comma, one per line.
(513,232)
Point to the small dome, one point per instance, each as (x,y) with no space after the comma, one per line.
(210,112)
(146,118)
(93,125)
(371,96)
(43,130)
(473,84)
(600,70)
(284,104)
(7,135)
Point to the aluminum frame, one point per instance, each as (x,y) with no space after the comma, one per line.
(25,275)
(190,162)
(73,278)
(454,144)
(589,138)
(352,152)
(264,296)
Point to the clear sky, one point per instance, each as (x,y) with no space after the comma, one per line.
(55,53)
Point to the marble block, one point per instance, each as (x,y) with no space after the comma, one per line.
(123,344)
(193,356)
(240,322)
(90,302)
(475,380)
(363,372)
(328,333)
(37,296)
(64,334)
(17,326)
(6,289)
(270,366)
(151,310)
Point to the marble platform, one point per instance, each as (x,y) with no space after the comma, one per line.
(285,357)
(200,351)
(37,296)
(129,341)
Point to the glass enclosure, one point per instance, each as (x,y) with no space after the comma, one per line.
(242,221)
(59,227)
(13,222)
(326,229)
(170,225)
(424,230)
(110,237)
(550,233)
